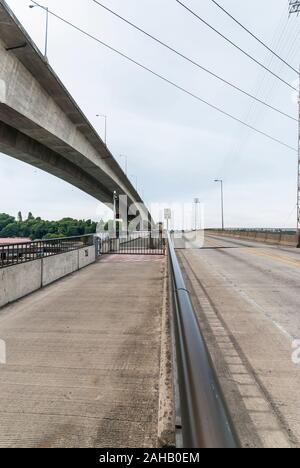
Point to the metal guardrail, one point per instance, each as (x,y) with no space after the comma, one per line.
(139,243)
(15,254)
(136,243)
(206,422)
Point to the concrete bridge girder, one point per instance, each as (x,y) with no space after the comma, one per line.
(42,125)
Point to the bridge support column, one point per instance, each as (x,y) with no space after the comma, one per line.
(129,219)
(117,214)
(150,228)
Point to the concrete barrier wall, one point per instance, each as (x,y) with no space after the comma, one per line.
(86,256)
(20,280)
(274,238)
(59,266)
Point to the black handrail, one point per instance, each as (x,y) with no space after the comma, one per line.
(24,252)
(137,242)
(36,241)
(206,422)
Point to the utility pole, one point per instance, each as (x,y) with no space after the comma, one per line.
(298,168)
(222,201)
(294,7)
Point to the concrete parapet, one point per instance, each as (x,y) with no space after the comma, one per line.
(275,238)
(20,280)
(59,266)
(86,256)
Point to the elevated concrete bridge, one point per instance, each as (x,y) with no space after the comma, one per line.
(41,124)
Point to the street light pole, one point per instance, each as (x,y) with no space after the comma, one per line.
(222,201)
(47,25)
(197,202)
(105,126)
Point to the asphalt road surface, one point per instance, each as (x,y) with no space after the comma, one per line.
(247,299)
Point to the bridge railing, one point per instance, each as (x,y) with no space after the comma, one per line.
(205,420)
(17,253)
(285,237)
(264,230)
(135,243)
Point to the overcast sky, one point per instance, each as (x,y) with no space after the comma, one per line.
(175,145)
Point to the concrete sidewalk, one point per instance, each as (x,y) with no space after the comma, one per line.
(83,359)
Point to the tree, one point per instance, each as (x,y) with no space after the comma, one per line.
(20,218)
(5,219)
(11,230)
(53,236)
(37,228)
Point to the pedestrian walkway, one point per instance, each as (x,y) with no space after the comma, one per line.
(83,358)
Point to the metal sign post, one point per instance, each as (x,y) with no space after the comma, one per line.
(168,216)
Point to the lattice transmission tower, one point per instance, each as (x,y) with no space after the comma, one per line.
(294,7)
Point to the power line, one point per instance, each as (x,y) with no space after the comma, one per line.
(290,215)
(235,45)
(198,98)
(265,85)
(255,37)
(269,83)
(281,39)
(197,64)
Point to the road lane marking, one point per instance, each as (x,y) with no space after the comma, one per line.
(262,253)
(278,258)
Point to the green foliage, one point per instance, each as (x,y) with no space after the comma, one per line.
(5,220)
(36,228)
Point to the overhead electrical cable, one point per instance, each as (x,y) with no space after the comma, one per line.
(235,45)
(197,64)
(166,80)
(255,37)
(263,88)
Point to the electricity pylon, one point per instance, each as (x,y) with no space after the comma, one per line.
(294,7)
